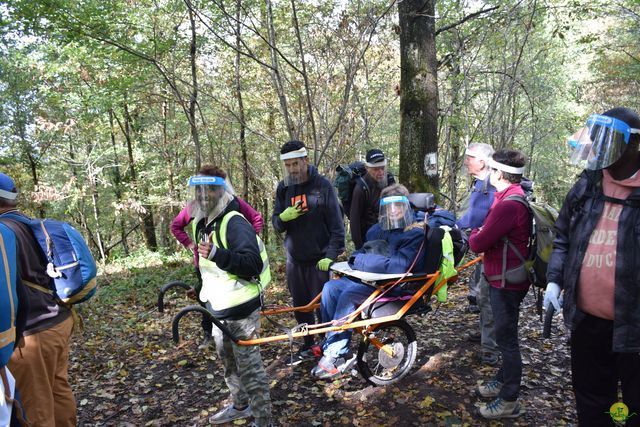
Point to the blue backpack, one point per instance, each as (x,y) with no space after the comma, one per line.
(8,293)
(69,260)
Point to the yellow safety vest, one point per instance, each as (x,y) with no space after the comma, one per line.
(224,290)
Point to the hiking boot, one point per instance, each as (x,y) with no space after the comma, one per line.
(501,408)
(230,413)
(329,367)
(490,388)
(304,354)
(490,359)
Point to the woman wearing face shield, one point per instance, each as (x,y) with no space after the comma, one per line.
(506,226)
(186,216)
(399,245)
(595,262)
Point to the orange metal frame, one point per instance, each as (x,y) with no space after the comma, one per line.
(361,326)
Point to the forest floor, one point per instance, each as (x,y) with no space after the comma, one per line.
(126,371)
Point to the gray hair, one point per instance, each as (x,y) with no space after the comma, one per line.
(485,151)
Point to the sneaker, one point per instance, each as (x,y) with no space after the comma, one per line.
(329,367)
(230,413)
(304,354)
(490,388)
(501,408)
(491,359)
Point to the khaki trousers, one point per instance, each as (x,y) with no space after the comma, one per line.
(40,369)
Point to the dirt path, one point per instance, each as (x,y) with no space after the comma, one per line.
(127,372)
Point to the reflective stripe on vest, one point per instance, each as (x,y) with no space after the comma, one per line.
(224,290)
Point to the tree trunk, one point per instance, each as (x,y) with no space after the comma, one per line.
(117,184)
(241,119)
(193,99)
(275,72)
(418,96)
(146,218)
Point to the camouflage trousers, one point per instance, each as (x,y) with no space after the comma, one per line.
(243,370)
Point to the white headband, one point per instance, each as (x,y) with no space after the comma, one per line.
(505,168)
(8,195)
(478,156)
(294,154)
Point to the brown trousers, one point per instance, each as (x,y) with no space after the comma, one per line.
(40,369)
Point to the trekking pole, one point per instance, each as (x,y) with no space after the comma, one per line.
(165,288)
(548,319)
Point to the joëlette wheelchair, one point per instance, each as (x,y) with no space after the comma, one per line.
(388,348)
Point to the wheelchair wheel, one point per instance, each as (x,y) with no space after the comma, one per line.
(376,364)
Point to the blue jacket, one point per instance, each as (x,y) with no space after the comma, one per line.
(480,201)
(317,234)
(403,247)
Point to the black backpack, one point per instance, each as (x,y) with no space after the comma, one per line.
(347,176)
(345,181)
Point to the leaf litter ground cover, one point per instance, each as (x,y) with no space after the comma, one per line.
(126,371)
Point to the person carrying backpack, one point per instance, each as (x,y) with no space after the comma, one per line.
(185,217)
(507,224)
(363,210)
(595,262)
(40,365)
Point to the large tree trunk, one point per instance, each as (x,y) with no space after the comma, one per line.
(418,96)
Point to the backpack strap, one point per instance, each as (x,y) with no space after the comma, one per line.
(364,186)
(509,245)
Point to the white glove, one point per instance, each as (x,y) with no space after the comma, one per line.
(551,296)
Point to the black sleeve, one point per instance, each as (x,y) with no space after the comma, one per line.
(242,257)
(562,240)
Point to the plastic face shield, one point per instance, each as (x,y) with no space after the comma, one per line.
(206,191)
(600,143)
(294,170)
(395,212)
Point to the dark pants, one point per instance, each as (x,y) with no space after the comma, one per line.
(505,305)
(305,283)
(596,371)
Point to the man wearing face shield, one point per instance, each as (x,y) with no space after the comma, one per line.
(595,262)
(235,269)
(399,250)
(306,209)
(366,195)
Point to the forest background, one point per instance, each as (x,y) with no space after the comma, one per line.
(107,107)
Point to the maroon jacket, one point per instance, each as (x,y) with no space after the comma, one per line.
(508,218)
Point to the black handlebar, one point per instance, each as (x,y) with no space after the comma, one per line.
(205,313)
(548,319)
(165,288)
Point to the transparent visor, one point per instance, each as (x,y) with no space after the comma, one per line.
(395,212)
(379,175)
(295,171)
(600,143)
(206,192)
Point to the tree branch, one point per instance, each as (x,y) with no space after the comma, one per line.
(465,19)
